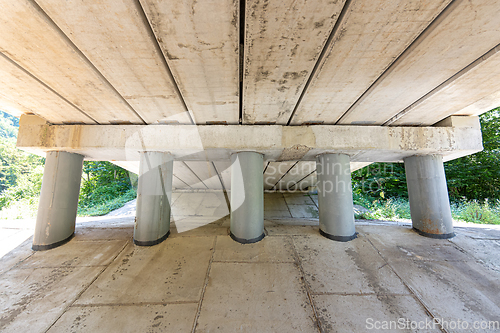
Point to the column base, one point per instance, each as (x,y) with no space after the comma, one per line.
(51,246)
(153,242)
(437,236)
(247,241)
(338,238)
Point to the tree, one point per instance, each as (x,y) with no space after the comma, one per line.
(102,181)
(477,176)
(471,177)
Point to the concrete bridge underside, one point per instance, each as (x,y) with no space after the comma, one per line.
(299,83)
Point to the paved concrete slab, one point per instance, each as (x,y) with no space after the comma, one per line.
(270,249)
(345,268)
(288,230)
(76,253)
(198,226)
(481,249)
(275,214)
(255,297)
(145,318)
(13,258)
(298,198)
(274,202)
(293,280)
(342,313)
(408,244)
(11,238)
(93,234)
(171,271)
(304,211)
(453,289)
(32,299)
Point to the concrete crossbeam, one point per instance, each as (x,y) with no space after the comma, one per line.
(279,143)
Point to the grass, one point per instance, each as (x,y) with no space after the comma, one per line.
(390,209)
(107,206)
(477,212)
(485,212)
(27,208)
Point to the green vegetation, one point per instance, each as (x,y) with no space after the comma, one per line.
(473,183)
(20,173)
(21,180)
(105,187)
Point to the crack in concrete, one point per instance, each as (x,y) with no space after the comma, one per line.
(298,262)
(207,279)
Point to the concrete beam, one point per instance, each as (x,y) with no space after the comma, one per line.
(280,55)
(117,31)
(369,37)
(278,143)
(200,42)
(453,41)
(31,40)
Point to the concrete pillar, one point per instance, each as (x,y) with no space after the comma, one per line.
(154,193)
(428,194)
(247,197)
(336,213)
(55,222)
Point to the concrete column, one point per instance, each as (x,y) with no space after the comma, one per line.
(55,222)
(428,194)
(247,197)
(336,213)
(154,193)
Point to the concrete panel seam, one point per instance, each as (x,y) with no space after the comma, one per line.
(321,57)
(47,87)
(445,84)
(87,60)
(85,288)
(159,50)
(417,296)
(298,262)
(439,18)
(205,284)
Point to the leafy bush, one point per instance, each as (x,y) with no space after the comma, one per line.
(389,209)
(477,212)
(107,206)
(477,176)
(380,180)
